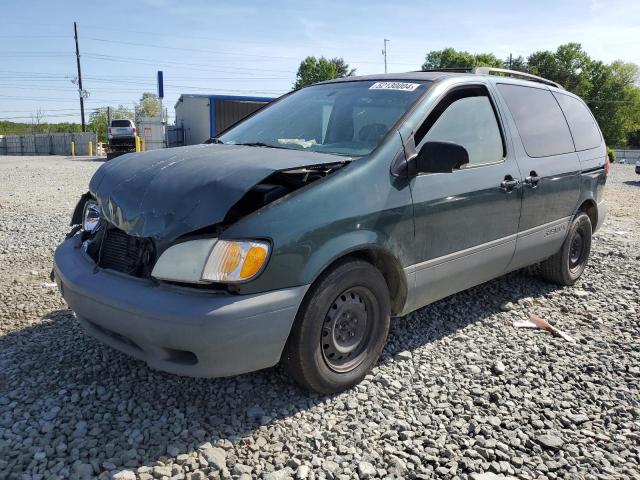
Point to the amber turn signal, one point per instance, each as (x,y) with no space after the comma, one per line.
(235,261)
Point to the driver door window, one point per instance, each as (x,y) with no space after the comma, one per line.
(469,121)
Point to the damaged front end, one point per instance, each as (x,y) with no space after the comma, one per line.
(161,215)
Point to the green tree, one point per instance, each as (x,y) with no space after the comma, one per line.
(313,70)
(451,58)
(518,63)
(64,127)
(610,91)
(148,106)
(342,68)
(569,66)
(633,139)
(18,128)
(98,119)
(614,99)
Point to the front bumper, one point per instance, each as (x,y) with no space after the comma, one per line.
(178,330)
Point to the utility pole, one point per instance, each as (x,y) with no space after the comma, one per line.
(80,91)
(384,52)
(510,61)
(108,116)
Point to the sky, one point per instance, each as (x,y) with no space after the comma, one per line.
(254,48)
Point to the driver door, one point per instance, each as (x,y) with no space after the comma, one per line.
(465,221)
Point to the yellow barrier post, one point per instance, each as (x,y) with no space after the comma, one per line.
(137,144)
(143,147)
(91,149)
(73,149)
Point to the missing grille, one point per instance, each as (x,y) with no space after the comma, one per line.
(125,253)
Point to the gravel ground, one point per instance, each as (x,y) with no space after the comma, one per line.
(458,393)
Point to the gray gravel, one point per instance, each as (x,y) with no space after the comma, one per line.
(458,393)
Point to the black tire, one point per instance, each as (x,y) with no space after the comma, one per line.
(340,329)
(566,266)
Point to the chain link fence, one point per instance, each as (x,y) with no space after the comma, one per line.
(47,144)
(627,155)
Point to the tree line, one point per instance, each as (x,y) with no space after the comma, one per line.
(18,128)
(148,106)
(611,90)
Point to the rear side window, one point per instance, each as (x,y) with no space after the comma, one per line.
(540,122)
(583,126)
(120,123)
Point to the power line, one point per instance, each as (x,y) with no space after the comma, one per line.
(48,110)
(235,40)
(34,54)
(43,116)
(50,99)
(107,90)
(34,83)
(44,88)
(53,80)
(190,49)
(36,36)
(197,37)
(151,62)
(216,52)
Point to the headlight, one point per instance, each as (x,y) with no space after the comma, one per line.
(233,261)
(90,215)
(211,260)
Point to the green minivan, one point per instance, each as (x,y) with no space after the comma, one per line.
(295,235)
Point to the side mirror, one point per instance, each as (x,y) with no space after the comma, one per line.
(439,157)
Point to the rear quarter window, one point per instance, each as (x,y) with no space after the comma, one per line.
(539,120)
(584,128)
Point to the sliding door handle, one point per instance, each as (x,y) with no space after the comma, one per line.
(532,180)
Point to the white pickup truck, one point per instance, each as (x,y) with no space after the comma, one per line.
(122,138)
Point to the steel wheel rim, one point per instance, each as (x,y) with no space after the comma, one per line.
(346,332)
(576,251)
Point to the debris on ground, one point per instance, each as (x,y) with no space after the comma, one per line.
(535,321)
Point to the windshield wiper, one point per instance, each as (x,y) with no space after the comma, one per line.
(261,144)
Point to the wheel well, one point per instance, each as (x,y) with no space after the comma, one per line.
(390,269)
(589,207)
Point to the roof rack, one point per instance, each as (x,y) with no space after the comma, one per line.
(513,74)
(451,69)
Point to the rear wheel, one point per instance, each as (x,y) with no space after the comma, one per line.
(340,329)
(566,266)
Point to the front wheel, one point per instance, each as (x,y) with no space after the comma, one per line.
(566,266)
(340,329)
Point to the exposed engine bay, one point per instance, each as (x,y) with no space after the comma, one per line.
(113,248)
(276,186)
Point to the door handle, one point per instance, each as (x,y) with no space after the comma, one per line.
(509,184)
(532,180)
